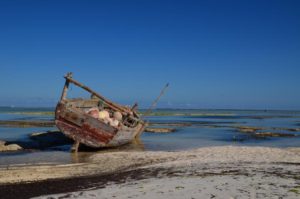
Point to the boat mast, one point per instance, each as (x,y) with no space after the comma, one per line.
(66,86)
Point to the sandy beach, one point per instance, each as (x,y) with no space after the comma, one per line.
(210,172)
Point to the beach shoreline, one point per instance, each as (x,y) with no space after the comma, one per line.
(115,169)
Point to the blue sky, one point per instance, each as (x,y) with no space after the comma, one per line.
(214,54)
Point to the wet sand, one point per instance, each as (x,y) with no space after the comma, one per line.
(220,171)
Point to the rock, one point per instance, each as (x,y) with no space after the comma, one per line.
(261,132)
(37,141)
(273,134)
(248,129)
(33,135)
(26,123)
(285,129)
(50,139)
(170,124)
(9,147)
(294,129)
(160,130)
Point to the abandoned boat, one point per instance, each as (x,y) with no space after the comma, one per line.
(96,122)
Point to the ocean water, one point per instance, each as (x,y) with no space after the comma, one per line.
(208,128)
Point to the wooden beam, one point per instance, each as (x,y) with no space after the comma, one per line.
(66,86)
(106,101)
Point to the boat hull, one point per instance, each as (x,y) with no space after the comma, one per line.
(83,128)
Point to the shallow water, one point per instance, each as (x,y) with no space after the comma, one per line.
(202,133)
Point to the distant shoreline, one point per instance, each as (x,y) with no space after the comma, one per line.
(52,108)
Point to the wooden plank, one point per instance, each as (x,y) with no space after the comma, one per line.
(84,135)
(79,118)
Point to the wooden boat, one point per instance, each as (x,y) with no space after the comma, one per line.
(73,119)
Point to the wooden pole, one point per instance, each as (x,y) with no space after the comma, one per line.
(156,100)
(66,86)
(75,146)
(107,102)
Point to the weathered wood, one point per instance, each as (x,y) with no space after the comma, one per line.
(83,103)
(106,101)
(75,146)
(156,100)
(134,107)
(77,117)
(66,86)
(71,118)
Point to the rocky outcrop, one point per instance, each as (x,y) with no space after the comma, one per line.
(37,141)
(248,129)
(26,123)
(9,147)
(259,133)
(274,134)
(49,139)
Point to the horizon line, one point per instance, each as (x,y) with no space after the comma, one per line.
(165,108)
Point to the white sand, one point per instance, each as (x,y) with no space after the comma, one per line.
(120,161)
(204,155)
(213,172)
(225,187)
